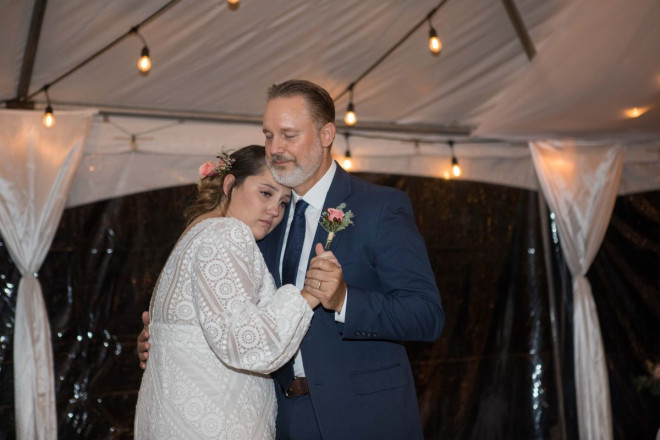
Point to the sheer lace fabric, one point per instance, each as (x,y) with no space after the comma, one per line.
(218,327)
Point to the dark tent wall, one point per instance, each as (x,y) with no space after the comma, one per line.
(625,279)
(490,375)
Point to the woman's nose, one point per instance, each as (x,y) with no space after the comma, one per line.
(273,208)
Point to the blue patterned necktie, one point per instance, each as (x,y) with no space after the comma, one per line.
(294,244)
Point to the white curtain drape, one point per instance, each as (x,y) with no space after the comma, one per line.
(580,183)
(36,170)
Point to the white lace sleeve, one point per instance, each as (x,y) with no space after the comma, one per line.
(246,323)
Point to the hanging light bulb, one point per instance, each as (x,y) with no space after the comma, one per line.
(144,63)
(455,167)
(233,4)
(348,163)
(48,119)
(350,118)
(435,45)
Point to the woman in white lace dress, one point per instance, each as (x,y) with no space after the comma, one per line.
(218,324)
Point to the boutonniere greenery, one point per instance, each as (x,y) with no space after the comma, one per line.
(334,220)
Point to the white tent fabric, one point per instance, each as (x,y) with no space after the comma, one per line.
(603,63)
(166,153)
(580,185)
(35,174)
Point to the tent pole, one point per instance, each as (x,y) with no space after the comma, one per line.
(556,355)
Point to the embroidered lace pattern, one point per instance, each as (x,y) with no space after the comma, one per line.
(218,327)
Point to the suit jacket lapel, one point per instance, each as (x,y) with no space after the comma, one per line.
(340,190)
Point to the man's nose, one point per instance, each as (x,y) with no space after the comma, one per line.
(276,145)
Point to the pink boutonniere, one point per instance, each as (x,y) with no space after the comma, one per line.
(334,220)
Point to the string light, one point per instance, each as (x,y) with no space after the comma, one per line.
(348,163)
(350,118)
(435,45)
(635,112)
(455,167)
(144,63)
(49,119)
(233,4)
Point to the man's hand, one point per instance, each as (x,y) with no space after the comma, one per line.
(143,341)
(325,281)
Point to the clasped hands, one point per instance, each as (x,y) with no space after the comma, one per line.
(324,282)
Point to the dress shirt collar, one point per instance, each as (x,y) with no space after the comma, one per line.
(316,195)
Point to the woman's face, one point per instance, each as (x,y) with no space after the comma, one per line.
(259,203)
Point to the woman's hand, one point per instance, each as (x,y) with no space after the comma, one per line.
(324,280)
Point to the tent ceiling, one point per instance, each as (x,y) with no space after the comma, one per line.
(210,60)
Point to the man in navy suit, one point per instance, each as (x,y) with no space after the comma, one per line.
(351,378)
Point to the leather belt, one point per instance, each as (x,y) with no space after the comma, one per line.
(297,388)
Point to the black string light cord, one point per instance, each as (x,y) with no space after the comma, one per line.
(133,30)
(426,18)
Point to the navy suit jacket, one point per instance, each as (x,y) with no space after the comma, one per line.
(358,372)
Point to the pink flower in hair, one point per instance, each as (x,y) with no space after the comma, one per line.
(206,168)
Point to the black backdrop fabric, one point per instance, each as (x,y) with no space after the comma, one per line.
(491,374)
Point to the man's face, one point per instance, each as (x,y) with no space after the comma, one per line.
(293,148)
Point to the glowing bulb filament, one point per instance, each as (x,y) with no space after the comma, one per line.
(455,168)
(144,63)
(636,112)
(350,118)
(435,45)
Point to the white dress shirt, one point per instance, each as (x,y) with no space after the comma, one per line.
(315,198)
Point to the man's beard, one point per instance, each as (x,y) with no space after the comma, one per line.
(302,169)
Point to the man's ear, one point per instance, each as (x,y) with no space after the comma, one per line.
(228,184)
(327,134)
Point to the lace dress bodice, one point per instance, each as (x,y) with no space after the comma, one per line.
(218,327)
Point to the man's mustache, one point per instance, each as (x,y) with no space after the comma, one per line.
(281,158)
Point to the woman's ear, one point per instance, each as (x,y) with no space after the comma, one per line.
(228,184)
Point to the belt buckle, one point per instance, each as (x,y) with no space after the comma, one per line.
(295,380)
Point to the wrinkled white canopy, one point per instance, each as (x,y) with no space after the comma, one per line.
(212,66)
